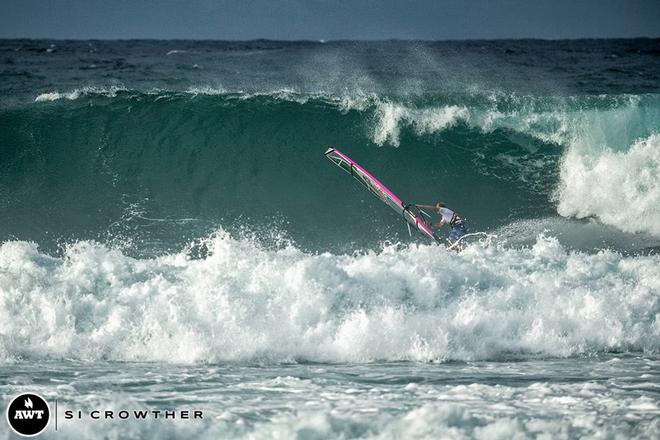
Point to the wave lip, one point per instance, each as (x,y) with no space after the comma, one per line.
(54,96)
(74,94)
(425,121)
(244,302)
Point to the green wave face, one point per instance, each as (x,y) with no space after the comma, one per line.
(78,167)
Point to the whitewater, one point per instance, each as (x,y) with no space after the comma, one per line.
(243,302)
(172,237)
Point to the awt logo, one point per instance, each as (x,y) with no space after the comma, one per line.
(28,414)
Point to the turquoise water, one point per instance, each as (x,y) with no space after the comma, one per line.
(172,237)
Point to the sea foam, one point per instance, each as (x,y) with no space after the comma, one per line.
(244,302)
(620,188)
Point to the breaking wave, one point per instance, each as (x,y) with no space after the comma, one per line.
(591,156)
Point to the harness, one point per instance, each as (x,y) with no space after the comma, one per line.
(456,220)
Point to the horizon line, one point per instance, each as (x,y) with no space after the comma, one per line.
(339,40)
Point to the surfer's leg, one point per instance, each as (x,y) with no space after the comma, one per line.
(456,232)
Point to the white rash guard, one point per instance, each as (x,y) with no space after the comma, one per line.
(448,216)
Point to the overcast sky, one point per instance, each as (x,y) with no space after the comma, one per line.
(329,20)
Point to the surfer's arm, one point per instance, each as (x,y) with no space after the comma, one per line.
(426,206)
(440,224)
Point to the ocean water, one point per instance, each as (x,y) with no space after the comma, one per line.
(172,238)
